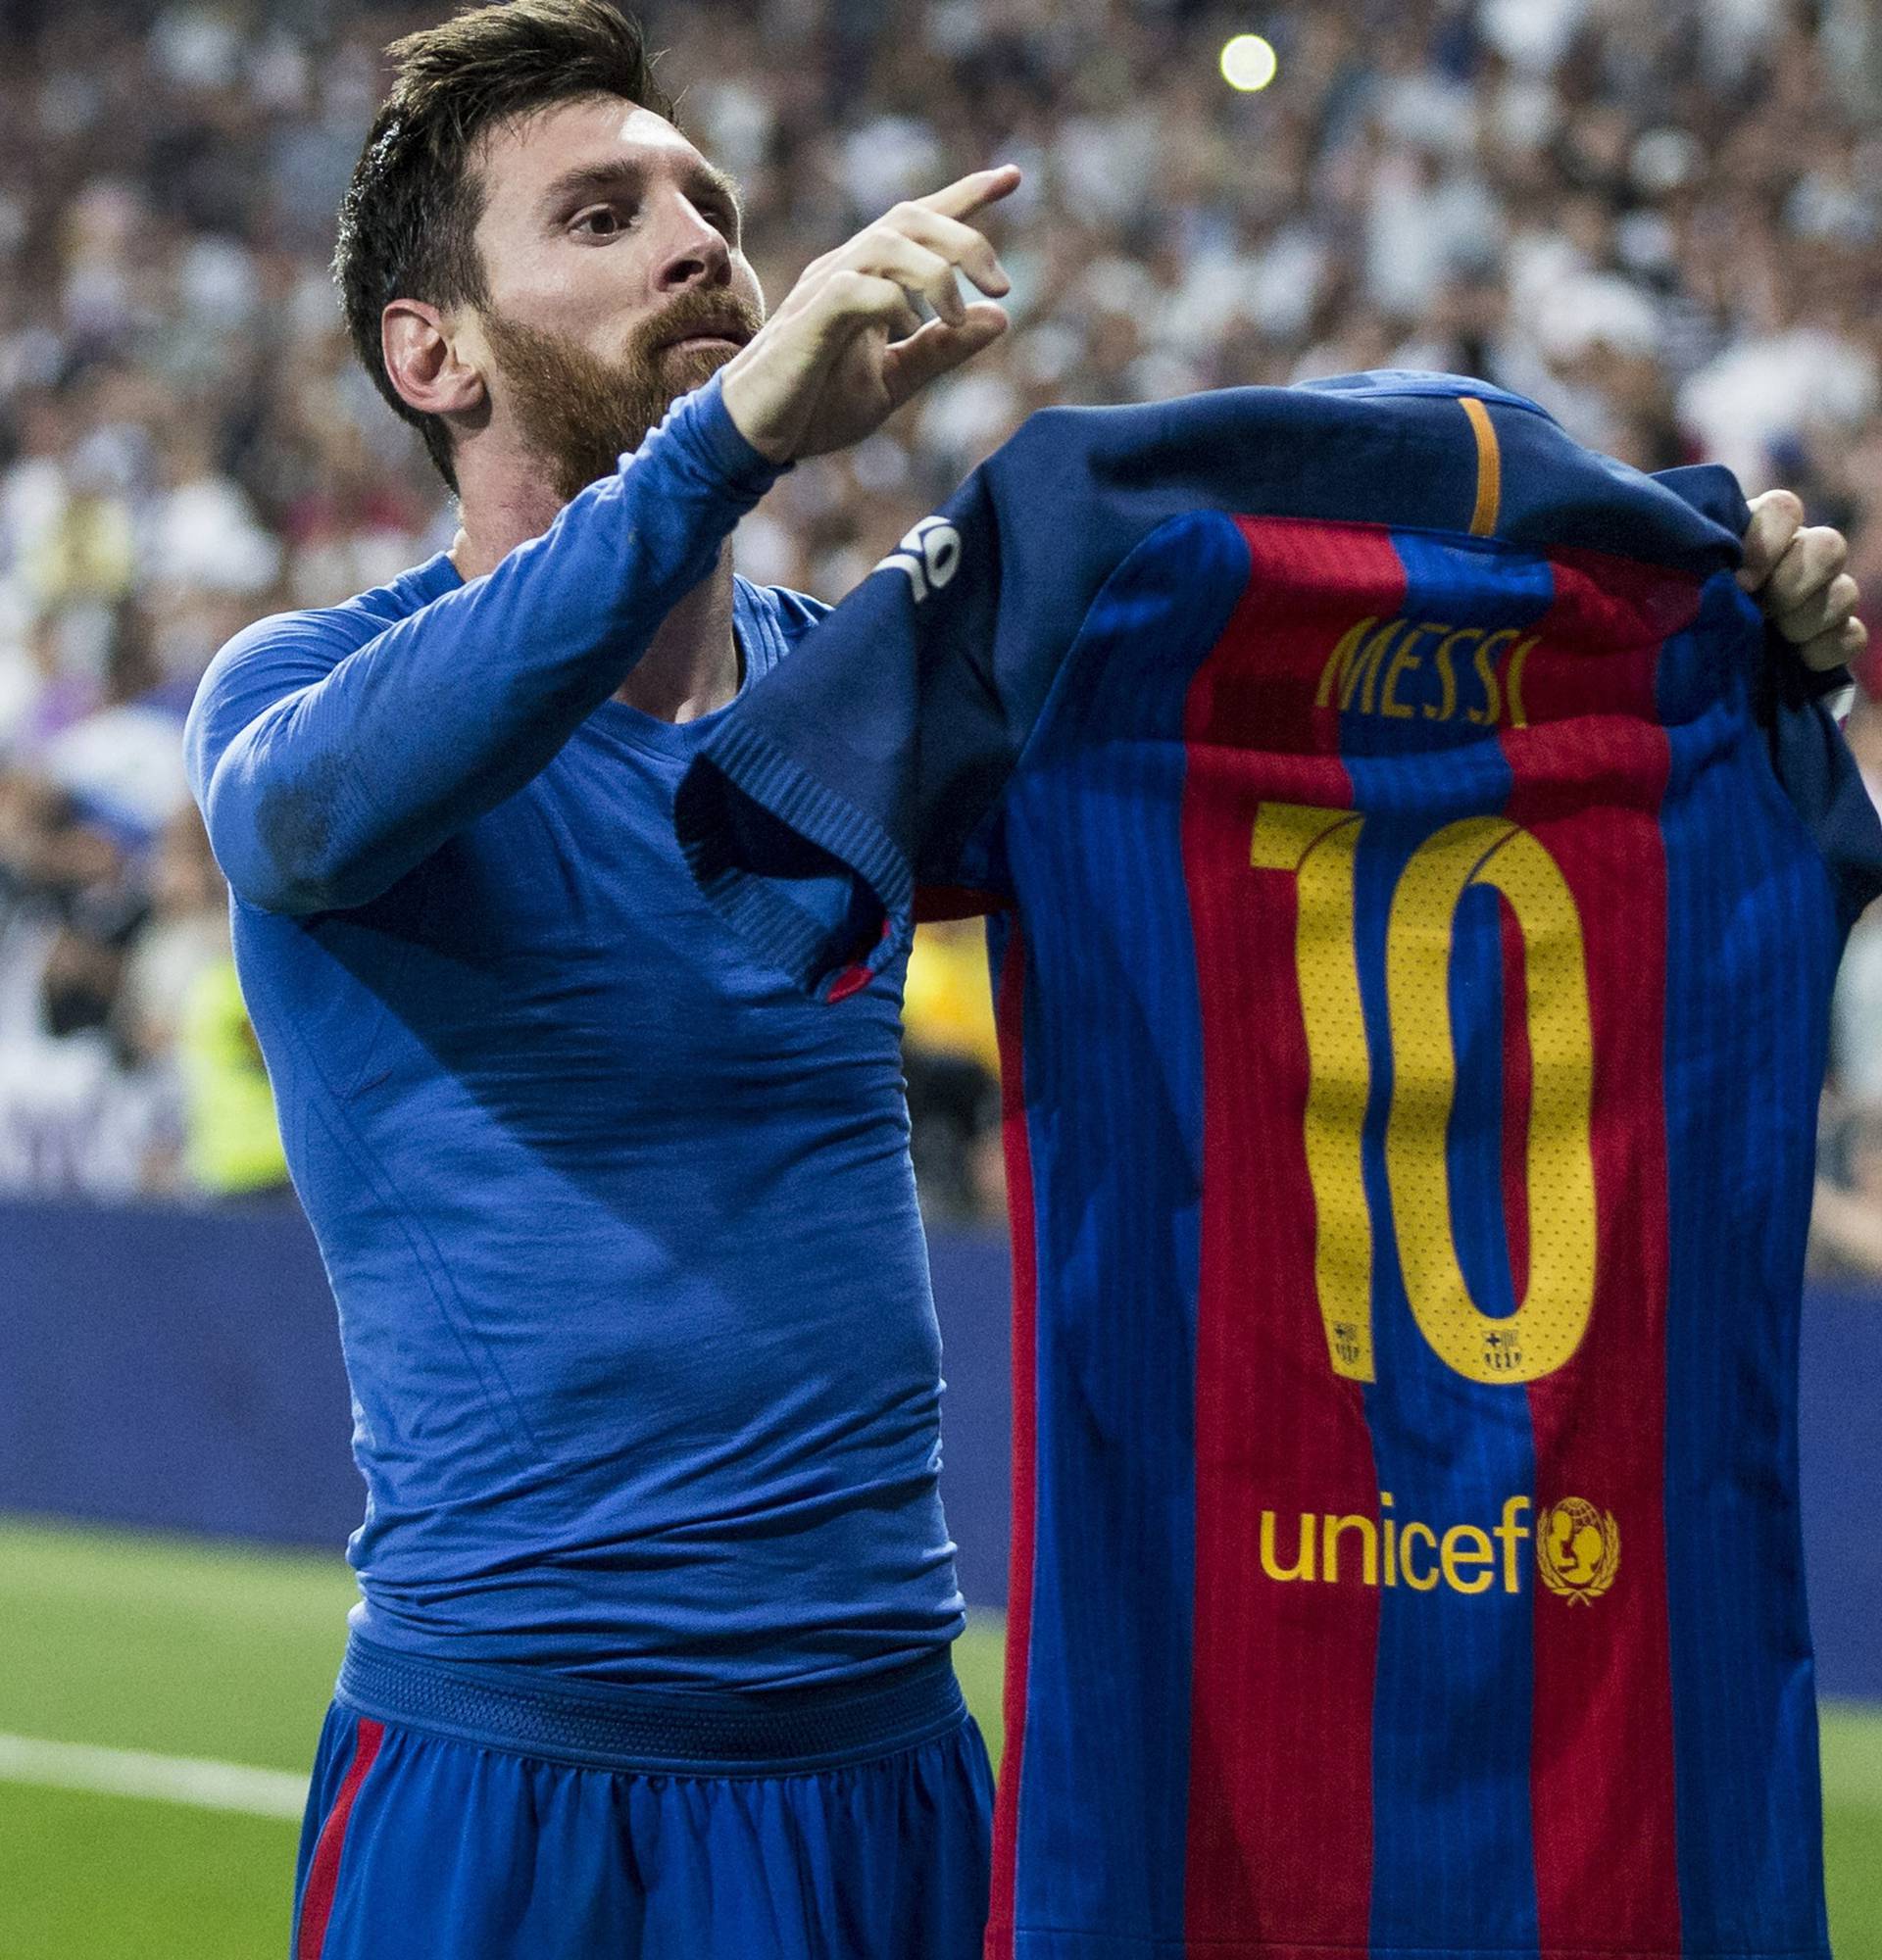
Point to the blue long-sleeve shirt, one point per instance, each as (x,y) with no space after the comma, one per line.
(631,1281)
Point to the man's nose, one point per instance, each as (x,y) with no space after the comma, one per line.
(693,253)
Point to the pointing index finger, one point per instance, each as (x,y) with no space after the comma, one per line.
(974,192)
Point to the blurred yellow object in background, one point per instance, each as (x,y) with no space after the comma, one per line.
(233,1143)
(947,1003)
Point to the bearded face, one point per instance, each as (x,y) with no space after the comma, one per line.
(579,412)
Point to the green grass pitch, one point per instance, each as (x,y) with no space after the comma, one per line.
(189,1649)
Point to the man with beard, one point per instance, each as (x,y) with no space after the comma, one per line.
(652,1655)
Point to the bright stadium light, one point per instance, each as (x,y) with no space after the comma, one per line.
(1249,62)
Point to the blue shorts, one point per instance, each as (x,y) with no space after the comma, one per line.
(457,1813)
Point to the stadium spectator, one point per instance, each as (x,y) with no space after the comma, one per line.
(1660,221)
(952,1057)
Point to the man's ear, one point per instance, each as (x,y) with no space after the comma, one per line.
(429,367)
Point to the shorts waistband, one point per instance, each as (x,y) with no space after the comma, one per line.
(701,1732)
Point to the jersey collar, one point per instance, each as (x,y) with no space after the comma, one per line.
(1382,382)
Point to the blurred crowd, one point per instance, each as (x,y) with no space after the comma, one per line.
(1664,222)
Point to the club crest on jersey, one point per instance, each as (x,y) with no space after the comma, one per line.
(930,556)
(1577,1551)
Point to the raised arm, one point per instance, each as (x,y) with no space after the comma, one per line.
(327,770)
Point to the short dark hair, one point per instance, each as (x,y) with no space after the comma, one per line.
(408,220)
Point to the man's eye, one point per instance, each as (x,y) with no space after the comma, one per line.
(601,222)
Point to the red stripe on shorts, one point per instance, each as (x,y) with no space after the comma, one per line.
(323,1874)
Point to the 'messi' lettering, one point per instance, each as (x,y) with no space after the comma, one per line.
(1425,669)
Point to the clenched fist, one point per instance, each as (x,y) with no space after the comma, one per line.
(1795,572)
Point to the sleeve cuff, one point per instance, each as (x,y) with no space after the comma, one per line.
(704,425)
(1797,685)
(813,885)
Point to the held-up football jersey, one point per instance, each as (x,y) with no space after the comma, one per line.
(1418,928)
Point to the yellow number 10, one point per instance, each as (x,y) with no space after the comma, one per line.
(1318,848)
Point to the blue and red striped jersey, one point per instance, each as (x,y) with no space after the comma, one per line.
(1418,906)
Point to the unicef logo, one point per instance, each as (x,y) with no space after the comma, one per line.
(1577,1549)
